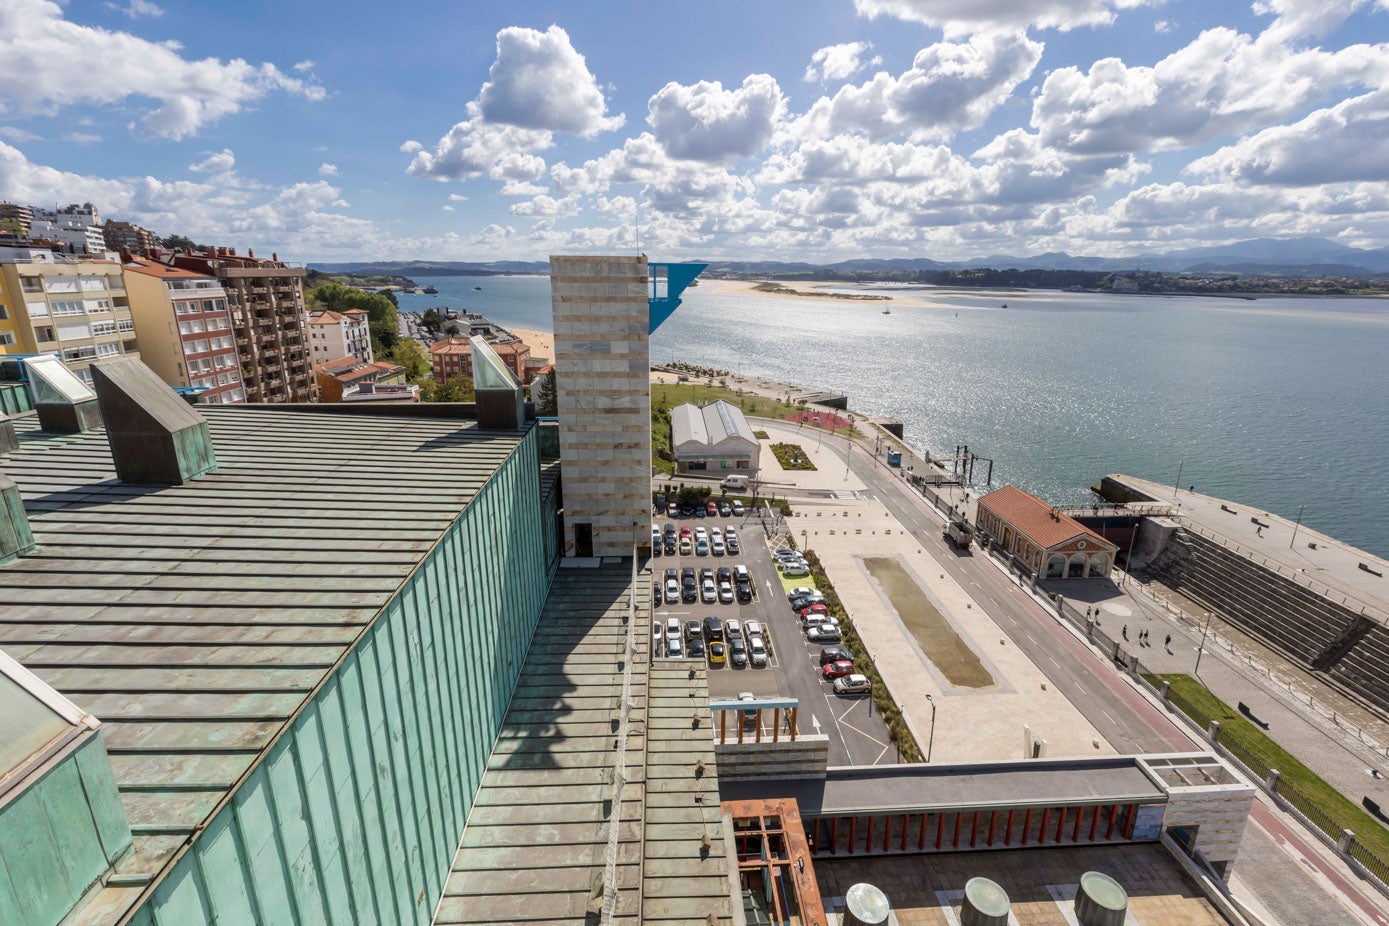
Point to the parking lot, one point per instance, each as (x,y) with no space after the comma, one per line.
(856,735)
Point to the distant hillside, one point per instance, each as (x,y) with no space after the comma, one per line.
(445,268)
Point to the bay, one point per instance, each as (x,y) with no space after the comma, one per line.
(1274,403)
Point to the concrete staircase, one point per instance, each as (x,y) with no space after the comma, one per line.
(1310,629)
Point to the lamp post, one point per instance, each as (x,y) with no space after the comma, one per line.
(1296,525)
(1175,485)
(805,541)
(1200,649)
(931,743)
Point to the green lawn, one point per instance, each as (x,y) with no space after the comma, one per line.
(1248,742)
(792,456)
(670,395)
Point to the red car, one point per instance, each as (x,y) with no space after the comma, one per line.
(686,532)
(814,609)
(837,669)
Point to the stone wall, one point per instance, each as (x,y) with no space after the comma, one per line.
(602,360)
(807,757)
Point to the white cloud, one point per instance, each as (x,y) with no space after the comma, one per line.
(521,188)
(539,81)
(457,198)
(1345,142)
(327,170)
(539,86)
(215,163)
(1222,83)
(17,135)
(410,146)
(705,122)
(840,62)
(958,17)
(951,86)
(38,46)
(544,205)
(137,9)
(81,138)
(1163,26)
(1298,19)
(305,65)
(448,208)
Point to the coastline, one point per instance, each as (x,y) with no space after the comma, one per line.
(541,343)
(749,288)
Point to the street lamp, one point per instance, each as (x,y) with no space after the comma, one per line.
(1200,649)
(805,541)
(931,743)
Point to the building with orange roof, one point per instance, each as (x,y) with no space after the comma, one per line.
(185,328)
(350,379)
(454,356)
(1050,543)
(339,334)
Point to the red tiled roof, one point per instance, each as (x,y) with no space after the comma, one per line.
(155,269)
(1033,518)
(459,346)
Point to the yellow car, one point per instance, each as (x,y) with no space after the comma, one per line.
(716,654)
(685,546)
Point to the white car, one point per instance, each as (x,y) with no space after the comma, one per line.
(674,649)
(738,509)
(732,628)
(672,630)
(708,593)
(717,547)
(853,684)
(701,534)
(801,590)
(757,651)
(657,634)
(795,570)
(752,629)
(716,534)
(672,590)
(726,592)
(823,633)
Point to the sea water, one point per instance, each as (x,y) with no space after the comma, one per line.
(1276,403)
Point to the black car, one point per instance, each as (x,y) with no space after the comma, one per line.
(671,573)
(713,629)
(687,511)
(656,594)
(687,574)
(699,513)
(738,652)
(833,654)
(706,573)
(669,529)
(744,592)
(660,501)
(694,649)
(689,593)
(670,546)
(725,574)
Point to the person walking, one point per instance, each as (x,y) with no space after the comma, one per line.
(1167,644)
(1126,631)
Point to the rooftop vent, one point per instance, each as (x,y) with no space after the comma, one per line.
(15,537)
(501,405)
(65,404)
(155,437)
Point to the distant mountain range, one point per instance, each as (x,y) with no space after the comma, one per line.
(1297,257)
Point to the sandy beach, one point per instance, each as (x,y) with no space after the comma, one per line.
(748,288)
(541,343)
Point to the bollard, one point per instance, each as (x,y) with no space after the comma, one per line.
(1272,781)
(1166,690)
(1213,732)
(1343,843)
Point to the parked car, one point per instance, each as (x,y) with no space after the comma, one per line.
(752,629)
(750,714)
(687,511)
(674,650)
(805,601)
(669,529)
(708,593)
(686,531)
(699,512)
(672,629)
(670,546)
(716,654)
(823,633)
(837,669)
(731,542)
(701,548)
(853,685)
(744,588)
(706,572)
(655,594)
(733,628)
(757,652)
(657,541)
(725,509)
(694,649)
(716,532)
(690,593)
(725,593)
(672,510)
(672,591)
(738,653)
(658,632)
(795,570)
(686,547)
(800,591)
(786,553)
(818,609)
(713,629)
(724,574)
(717,548)
(693,630)
(832,653)
(711,508)
(701,533)
(738,509)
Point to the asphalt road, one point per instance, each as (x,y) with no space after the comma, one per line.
(856,735)
(1119,713)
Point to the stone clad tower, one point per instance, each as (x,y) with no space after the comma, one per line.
(602,326)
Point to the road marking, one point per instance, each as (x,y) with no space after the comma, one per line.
(849,755)
(1109,718)
(1054,662)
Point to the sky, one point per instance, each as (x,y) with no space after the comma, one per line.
(813,130)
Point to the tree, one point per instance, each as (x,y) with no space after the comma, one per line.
(410,355)
(431,318)
(457,389)
(181,242)
(546,395)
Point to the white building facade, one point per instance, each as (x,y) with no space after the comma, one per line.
(77,226)
(714,439)
(334,335)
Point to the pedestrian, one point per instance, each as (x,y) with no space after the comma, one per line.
(1126,631)
(1167,644)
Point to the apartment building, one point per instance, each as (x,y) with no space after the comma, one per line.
(266,300)
(125,236)
(15,218)
(340,334)
(184,327)
(54,303)
(452,357)
(77,227)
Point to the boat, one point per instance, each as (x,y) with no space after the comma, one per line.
(887,311)
(430,291)
(1005,305)
(478,288)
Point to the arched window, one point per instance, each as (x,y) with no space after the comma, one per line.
(1099,566)
(1056,566)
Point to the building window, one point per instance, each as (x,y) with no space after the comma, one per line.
(69,308)
(4,313)
(31,284)
(7,338)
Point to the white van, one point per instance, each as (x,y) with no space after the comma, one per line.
(736,483)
